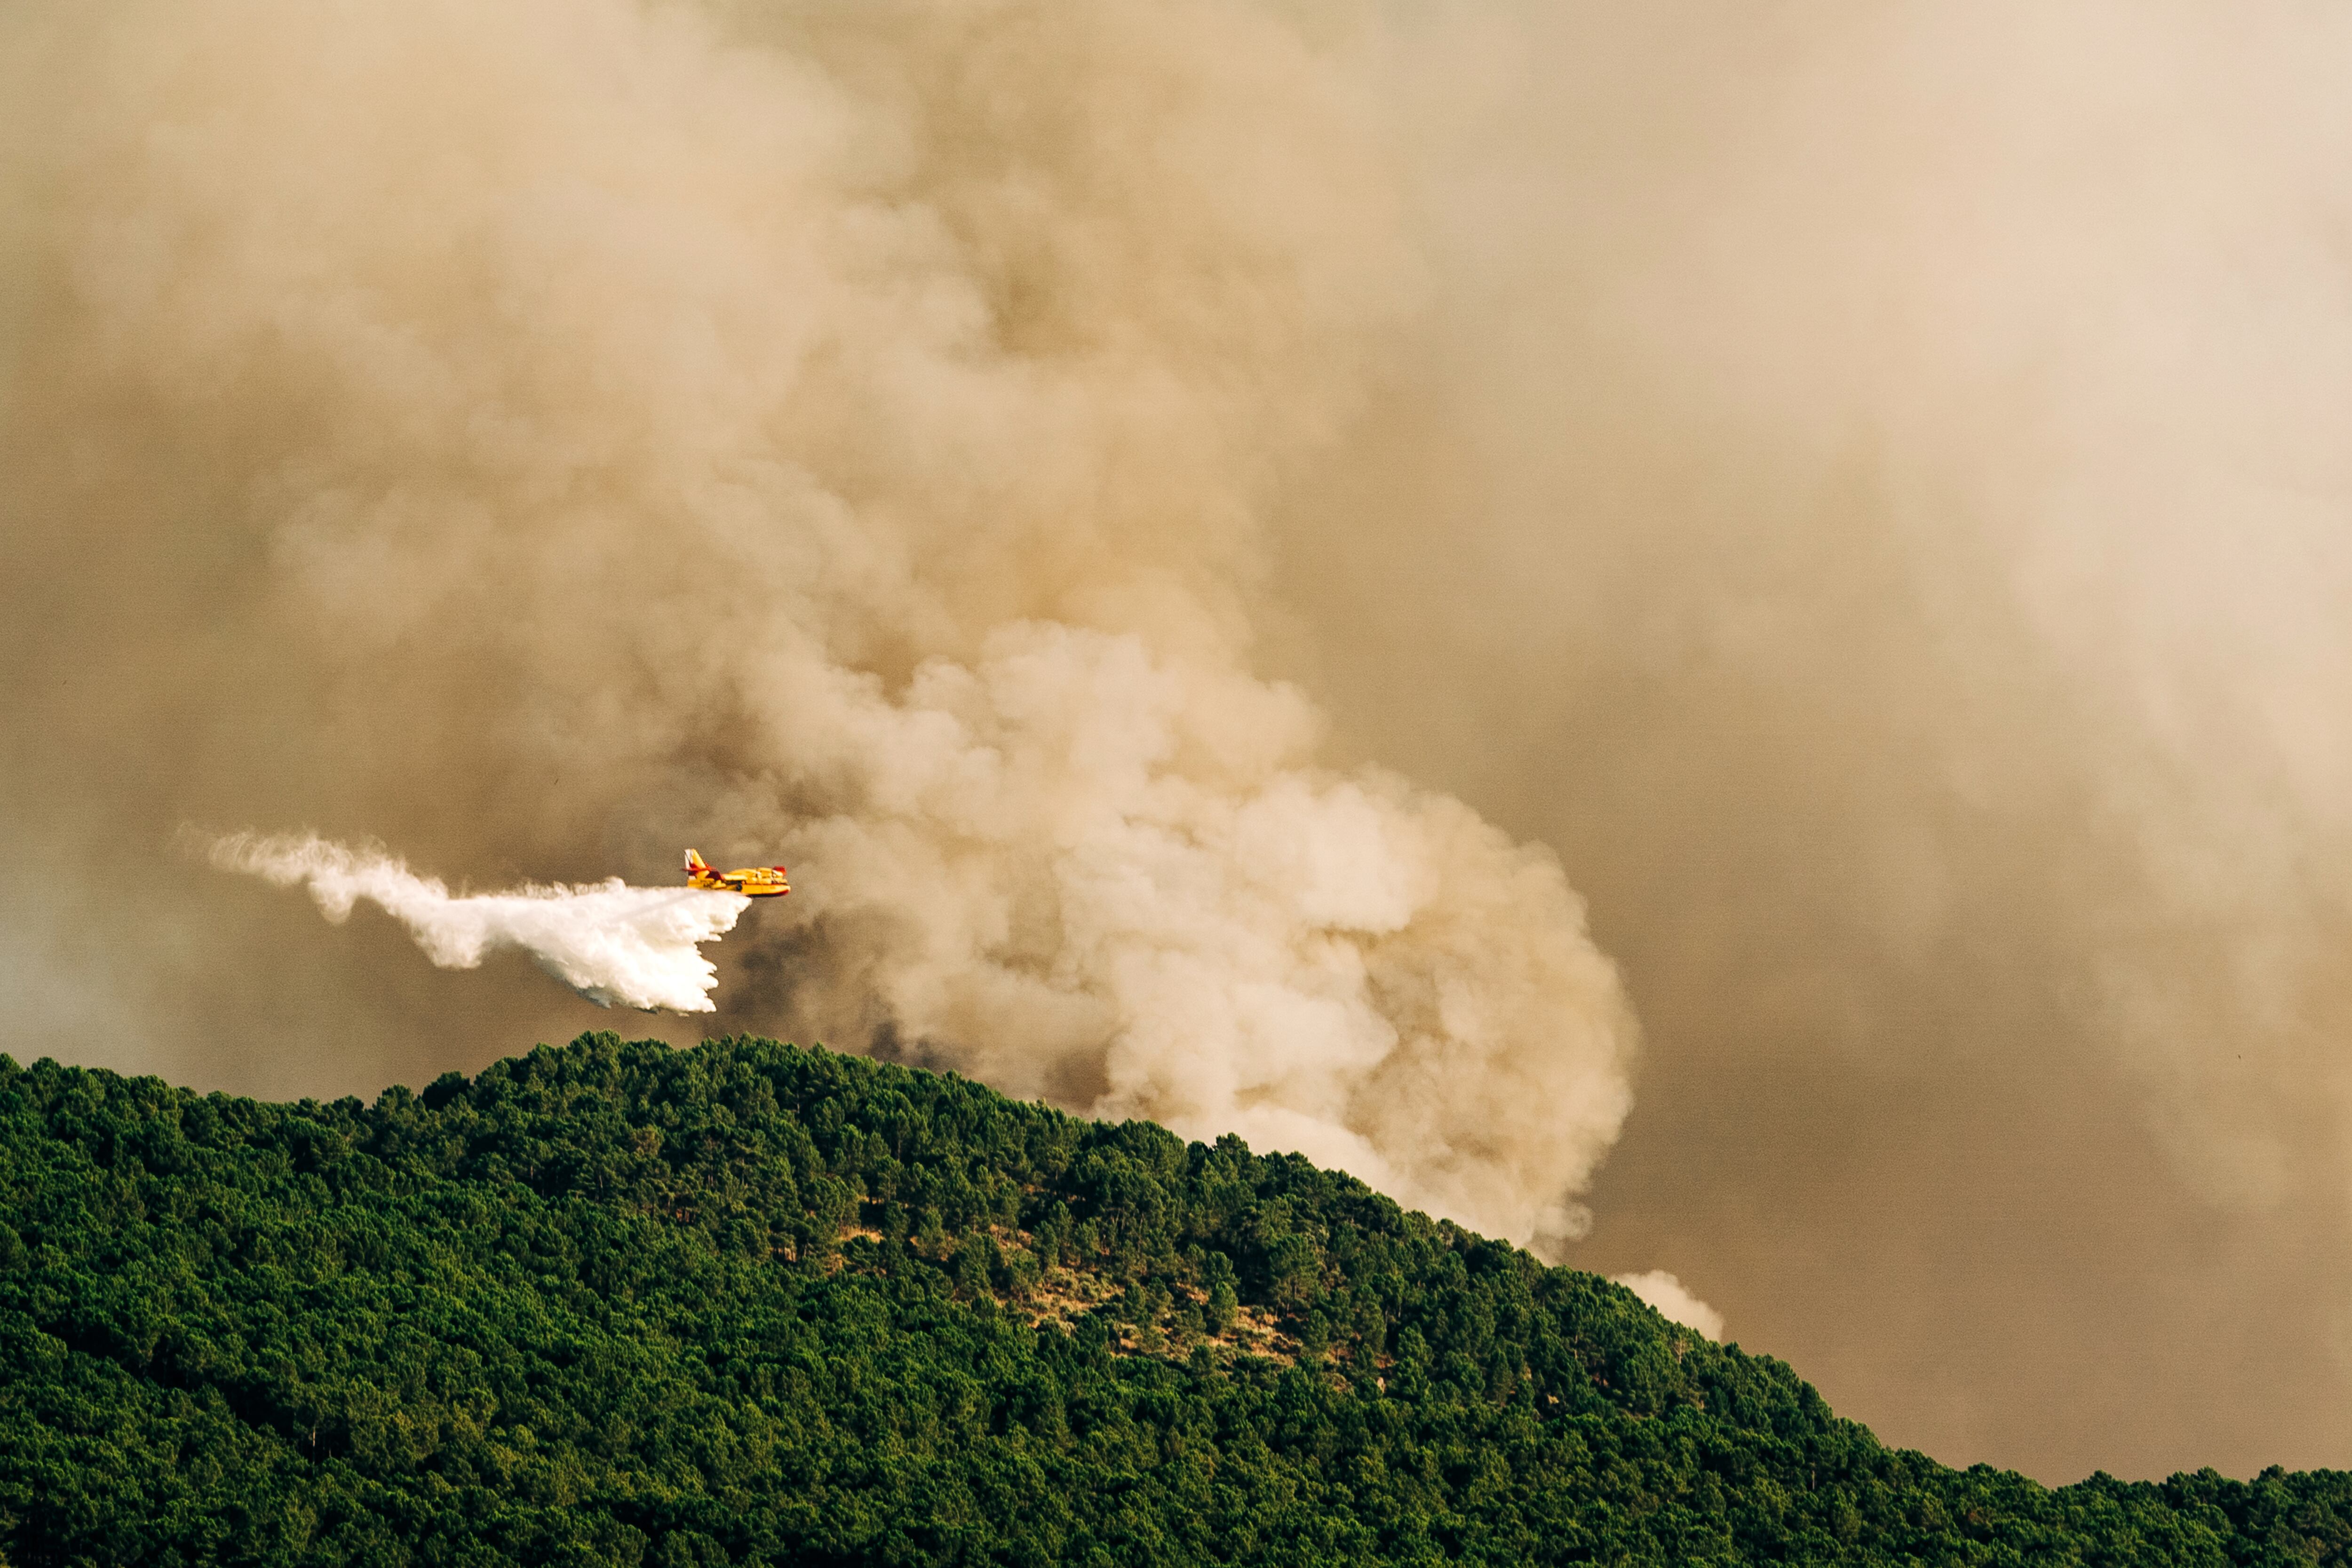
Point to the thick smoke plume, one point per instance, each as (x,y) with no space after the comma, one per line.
(638,947)
(846,435)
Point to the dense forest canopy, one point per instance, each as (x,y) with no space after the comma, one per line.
(753,1303)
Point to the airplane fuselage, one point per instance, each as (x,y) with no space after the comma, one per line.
(751,881)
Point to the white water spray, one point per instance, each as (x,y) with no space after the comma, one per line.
(609,942)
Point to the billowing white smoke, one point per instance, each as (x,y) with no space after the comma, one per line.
(639,947)
(1672,1301)
(1099,870)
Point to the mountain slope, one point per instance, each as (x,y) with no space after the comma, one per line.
(614,1303)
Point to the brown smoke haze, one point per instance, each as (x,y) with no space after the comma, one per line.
(546,438)
(1864,486)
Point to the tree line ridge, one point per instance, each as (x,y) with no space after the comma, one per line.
(753,1303)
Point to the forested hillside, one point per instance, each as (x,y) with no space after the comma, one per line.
(751,1303)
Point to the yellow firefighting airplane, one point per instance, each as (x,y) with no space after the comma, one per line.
(751,881)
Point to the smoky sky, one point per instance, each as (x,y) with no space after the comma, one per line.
(836,435)
(1286,567)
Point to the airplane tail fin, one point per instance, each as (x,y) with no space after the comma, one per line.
(695,863)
